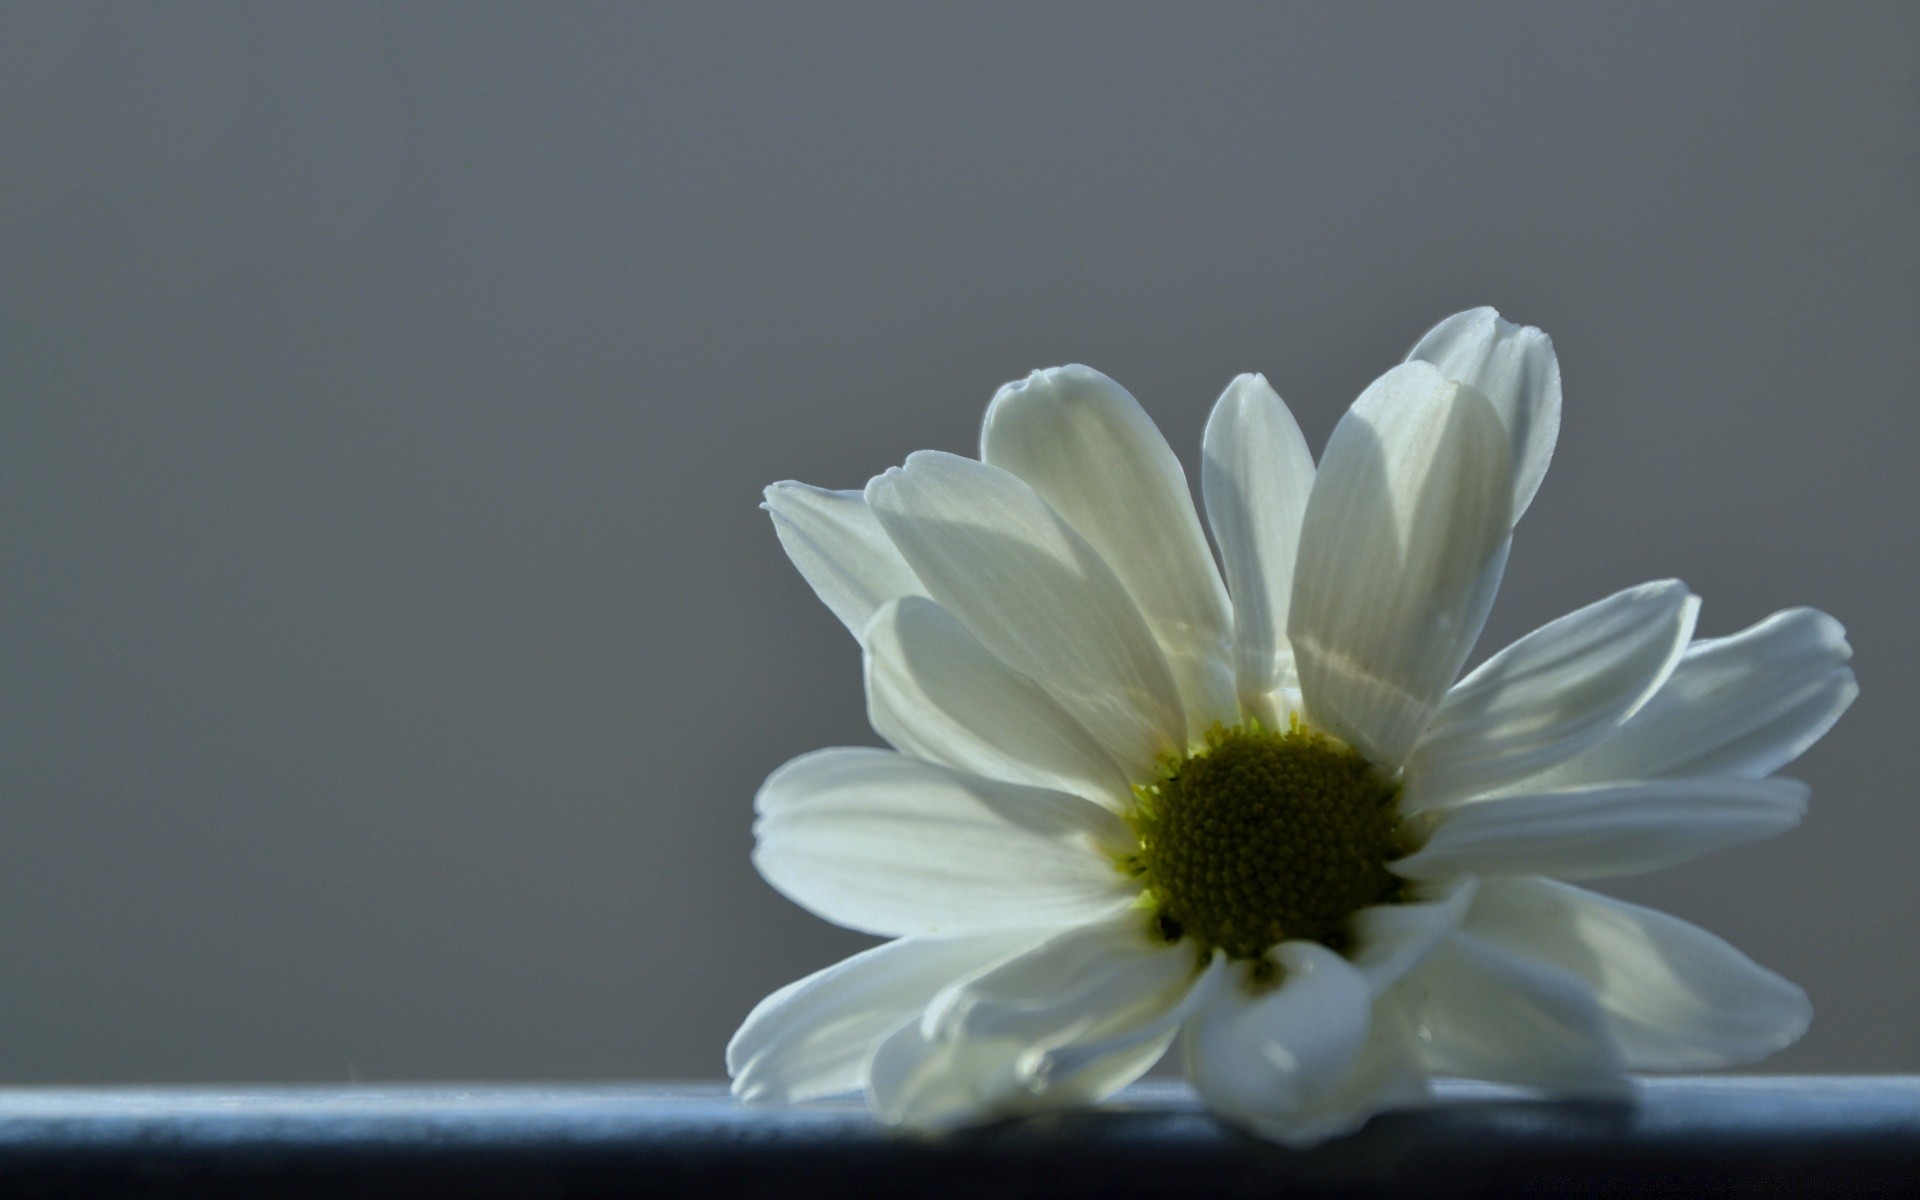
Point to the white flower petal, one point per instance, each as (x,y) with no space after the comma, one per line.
(1673,996)
(1551,694)
(1087,447)
(1072,987)
(1488,1013)
(913,1080)
(814,1036)
(931,1085)
(1099,1058)
(1255,474)
(1742,705)
(1514,367)
(1389,940)
(936,693)
(840,549)
(1277,1051)
(1389,1073)
(1304,1061)
(891,845)
(994,554)
(1055,1051)
(1401,551)
(1605,830)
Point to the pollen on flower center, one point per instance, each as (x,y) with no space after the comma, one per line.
(1263,837)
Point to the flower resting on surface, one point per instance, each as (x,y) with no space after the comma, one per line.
(1132,805)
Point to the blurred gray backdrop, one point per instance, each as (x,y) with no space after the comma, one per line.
(391,644)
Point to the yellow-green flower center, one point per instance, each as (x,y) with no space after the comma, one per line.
(1264,837)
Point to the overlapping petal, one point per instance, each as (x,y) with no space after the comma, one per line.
(1482,1011)
(1053,1026)
(1551,694)
(1255,475)
(1744,705)
(1402,547)
(1673,996)
(1390,940)
(1515,368)
(914,1080)
(839,548)
(814,1036)
(936,693)
(1087,447)
(993,553)
(894,846)
(1069,986)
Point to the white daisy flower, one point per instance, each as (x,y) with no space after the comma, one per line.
(1130,804)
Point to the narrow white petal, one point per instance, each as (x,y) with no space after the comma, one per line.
(840,549)
(1305,1061)
(814,1036)
(1401,551)
(1673,996)
(1077,985)
(1389,940)
(1605,830)
(936,693)
(1025,1047)
(1487,1013)
(1742,705)
(1087,447)
(994,554)
(1514,367)
(1256,474)
(1551,694)
(891,845)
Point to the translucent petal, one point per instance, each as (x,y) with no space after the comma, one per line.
(1673,996)
(1556,691)
(1401,551)
(936,693)
(840,549)
(1256,474)
(891,845)
(1515,368)
(1604,830)
(1087,447)
(994,554)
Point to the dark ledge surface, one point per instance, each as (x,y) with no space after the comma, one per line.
(1856,1135)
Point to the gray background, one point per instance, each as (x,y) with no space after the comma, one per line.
(391,645)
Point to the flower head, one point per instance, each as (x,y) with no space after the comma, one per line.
(1132,804)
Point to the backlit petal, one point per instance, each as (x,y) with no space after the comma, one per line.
(1087,447)
(994,554)
(1605,830)
(1673,996)
(936,693)
(892,845)
(1256,474)
(1401,551)
(1551,694)
(814,1036)
(1742,705)
(840,549)
(1515,368)
(1485,1012)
